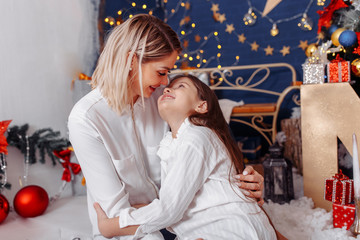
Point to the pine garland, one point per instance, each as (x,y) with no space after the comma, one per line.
(44,140)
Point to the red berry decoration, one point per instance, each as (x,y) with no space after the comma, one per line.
(31,201)
(4,208)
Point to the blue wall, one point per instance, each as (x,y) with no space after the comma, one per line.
(201,14)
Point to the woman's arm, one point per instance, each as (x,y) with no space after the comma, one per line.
(102,180)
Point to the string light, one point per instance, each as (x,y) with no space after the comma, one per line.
(250,17)
(321,2)
(133,4)
(274,30)
(306,26)
(144,6)
(305,23)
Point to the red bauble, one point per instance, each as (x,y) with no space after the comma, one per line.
(4,208)
(31,201)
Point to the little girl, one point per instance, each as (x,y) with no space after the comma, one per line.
(197,198)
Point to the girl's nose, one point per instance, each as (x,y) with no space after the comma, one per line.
(167,90)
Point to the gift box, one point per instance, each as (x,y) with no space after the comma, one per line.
(313,73)
(338,70)
(250,147)
(339,189)
(343,215)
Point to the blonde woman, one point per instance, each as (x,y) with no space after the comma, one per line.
(116,129)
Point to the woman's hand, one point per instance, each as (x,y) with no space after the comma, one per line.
(252,181)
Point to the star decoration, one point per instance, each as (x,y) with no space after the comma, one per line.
(320,36)
(270,5)
(184,65)
(186,43)
(187,19)
(254,46)
(229,28)
(303,44)
(269,50)
(187,5)
(215,7)
(216,16)
(3,142)
(222,18)
(285,50)
(197,38)
(241,38)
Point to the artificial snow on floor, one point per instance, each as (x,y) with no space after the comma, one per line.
(299,220)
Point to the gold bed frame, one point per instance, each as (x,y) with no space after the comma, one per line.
(257,111)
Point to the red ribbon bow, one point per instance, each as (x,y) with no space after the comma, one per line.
(337,59)
(67,165)
(340,176)
(3,142)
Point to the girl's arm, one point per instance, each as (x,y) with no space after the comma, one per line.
(182,182)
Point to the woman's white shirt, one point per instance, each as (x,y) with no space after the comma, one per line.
(117,155)
(196,198)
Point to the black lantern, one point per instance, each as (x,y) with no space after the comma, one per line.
(278,176)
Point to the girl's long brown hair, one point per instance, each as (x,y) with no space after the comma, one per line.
(214,119)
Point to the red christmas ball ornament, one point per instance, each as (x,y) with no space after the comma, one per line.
(31,201)
(4,208)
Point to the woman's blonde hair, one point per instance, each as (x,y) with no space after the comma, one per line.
(144,36)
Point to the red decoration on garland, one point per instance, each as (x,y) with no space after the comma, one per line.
(339,189)
(3,142)
(65,155)
(31,201)
(326,14)
(4,208)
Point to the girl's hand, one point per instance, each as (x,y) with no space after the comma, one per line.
(252,181)
(102,219)
(109,227)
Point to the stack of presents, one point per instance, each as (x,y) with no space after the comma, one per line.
(337,70)
(339,189)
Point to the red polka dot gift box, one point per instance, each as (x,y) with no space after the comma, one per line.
(343,215)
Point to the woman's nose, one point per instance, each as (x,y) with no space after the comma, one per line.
(164,81)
